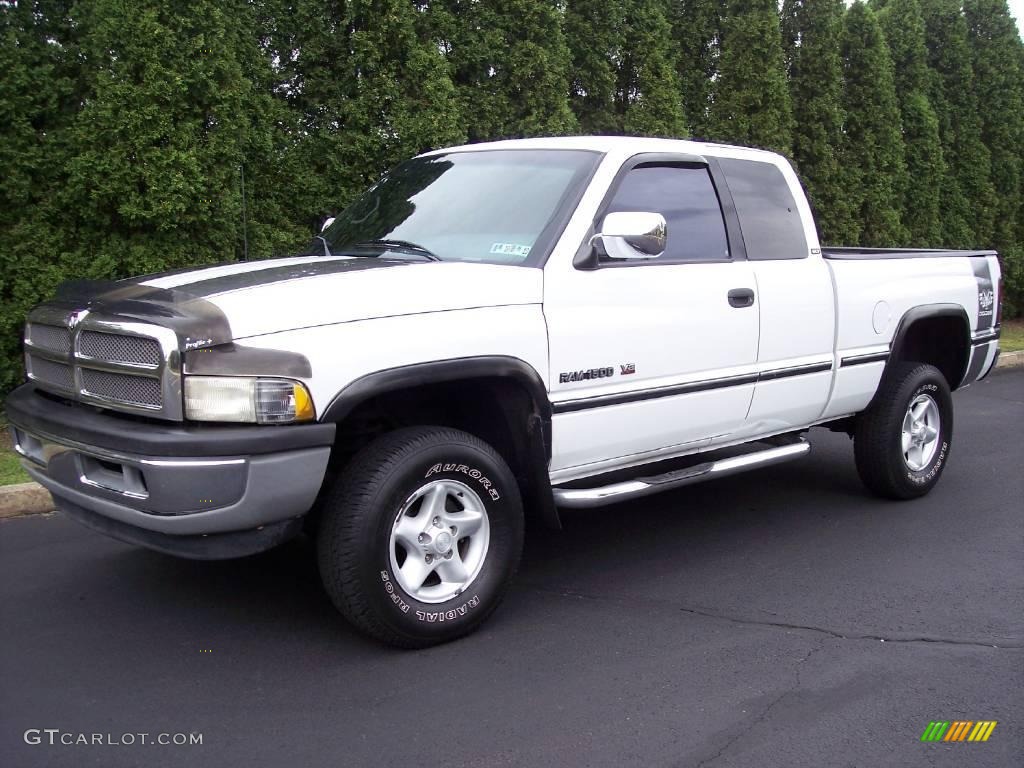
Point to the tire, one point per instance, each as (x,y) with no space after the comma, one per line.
(379,513)
(904,464)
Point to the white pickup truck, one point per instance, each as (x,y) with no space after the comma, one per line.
(491,332)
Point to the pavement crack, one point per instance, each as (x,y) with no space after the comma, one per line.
(766,712)
(846,635)
(909,639)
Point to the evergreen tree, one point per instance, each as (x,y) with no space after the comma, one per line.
(594,31)
(696,26)
(811,32)
(997,56)
(368,88)
(872,147)
(159,143)
(649,94)
(903,26)
(750,103)
(511,66)
(38,94)
(968,198)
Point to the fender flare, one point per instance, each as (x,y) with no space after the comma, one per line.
(924,312)
(538,432)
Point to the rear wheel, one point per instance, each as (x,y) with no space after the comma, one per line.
(902,440)
(420,536)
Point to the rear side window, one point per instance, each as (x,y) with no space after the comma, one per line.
(769,219)
(685,196)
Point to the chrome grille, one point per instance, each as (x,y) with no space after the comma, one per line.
(57,375)
(50,337)
(122,387)
(116,348)
(121,365)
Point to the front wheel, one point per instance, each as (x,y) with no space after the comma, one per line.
(902,440)
(420,536)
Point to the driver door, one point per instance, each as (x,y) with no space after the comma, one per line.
(652,357)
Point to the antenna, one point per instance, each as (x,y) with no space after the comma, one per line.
(245,222)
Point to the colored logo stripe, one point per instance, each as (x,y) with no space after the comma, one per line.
(958,730)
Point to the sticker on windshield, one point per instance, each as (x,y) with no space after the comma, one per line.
(510,249)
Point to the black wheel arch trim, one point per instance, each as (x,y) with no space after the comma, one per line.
(538,432)
(924,312)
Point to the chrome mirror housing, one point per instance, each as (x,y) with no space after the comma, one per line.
(633,235)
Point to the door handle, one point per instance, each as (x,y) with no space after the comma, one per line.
(741,297)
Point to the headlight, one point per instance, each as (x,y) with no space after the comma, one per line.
(231,398)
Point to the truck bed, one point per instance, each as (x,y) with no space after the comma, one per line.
(848,253)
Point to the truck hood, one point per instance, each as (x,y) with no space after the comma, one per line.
(219,304)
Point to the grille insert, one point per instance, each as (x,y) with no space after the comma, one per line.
(116,348)
(52,374)
(50,338)
(123,387)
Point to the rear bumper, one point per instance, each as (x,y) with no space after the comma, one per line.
(203,492)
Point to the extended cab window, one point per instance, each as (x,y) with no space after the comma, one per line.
(770,222)
(685,196)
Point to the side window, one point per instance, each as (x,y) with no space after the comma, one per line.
(685,196)
(769,220)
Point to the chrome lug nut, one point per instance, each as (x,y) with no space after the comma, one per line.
(448,555)
(429,558)
(454,529)
(437,522)
(423,538)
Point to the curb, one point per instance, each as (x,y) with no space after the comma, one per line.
(24,499)
(1010,359)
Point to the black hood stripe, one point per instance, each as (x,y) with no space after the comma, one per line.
(186,308)
(211,286)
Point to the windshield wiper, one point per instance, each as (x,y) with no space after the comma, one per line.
(400,245)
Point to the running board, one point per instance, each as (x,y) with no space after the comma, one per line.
(585,498)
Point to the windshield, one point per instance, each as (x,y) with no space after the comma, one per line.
(495,206)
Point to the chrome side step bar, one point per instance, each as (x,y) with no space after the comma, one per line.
(585,498)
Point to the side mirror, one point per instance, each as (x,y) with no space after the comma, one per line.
(633,235)
(327,223)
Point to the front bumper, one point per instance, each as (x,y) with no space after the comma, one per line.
(196,491)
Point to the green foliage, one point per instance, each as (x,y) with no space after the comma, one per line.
(750,101)
(649,97)
(872,148)
(997,56)
(594,30)
(510,63)
(127,126)
(1012,262)
(921,204)
(367,88)
(810,37)
(697,25)
(968,197)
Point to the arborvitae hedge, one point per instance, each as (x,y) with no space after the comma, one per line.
(127,125)
(921,208)
(811,35)
(871,149)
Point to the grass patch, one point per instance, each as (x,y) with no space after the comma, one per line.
(10,465)
(1012,337)
(10,469)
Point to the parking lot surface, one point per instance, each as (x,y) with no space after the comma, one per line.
(783,617)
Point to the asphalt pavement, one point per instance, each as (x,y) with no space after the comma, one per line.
(778,618)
